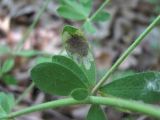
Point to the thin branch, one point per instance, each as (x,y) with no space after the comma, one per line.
(21,97)
(32,26)
(126,54)
(20,45)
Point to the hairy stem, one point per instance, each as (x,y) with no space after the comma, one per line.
(110,101)
(31,27)
(29,88)
(126,54)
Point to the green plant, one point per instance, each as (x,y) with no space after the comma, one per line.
(157,5)
(73,75)
(80,10)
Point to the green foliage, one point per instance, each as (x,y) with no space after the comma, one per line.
(70,75)
(102,16)
(68,12)
(9,80)
(70,64)
(56,78)
(74,10)
(67,75)
(81,10)
(6,103)
(7,65)
(62,77)
(96,113)
(142,86)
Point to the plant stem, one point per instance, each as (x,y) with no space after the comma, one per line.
(99,9)
(31,27)
(20,45)
(114,102)
(126,54)
(29,88)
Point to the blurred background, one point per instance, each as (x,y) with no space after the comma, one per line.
(129,18)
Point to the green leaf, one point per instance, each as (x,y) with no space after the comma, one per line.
(89,27)
(87,5)
(69,13)
(8,65)
(70,64)
(56,79)
(27,53)
(141,86)
(83,6)
(96,113)
(76,6)
(10,80)
(80,94)
(102,16)
(6,102)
